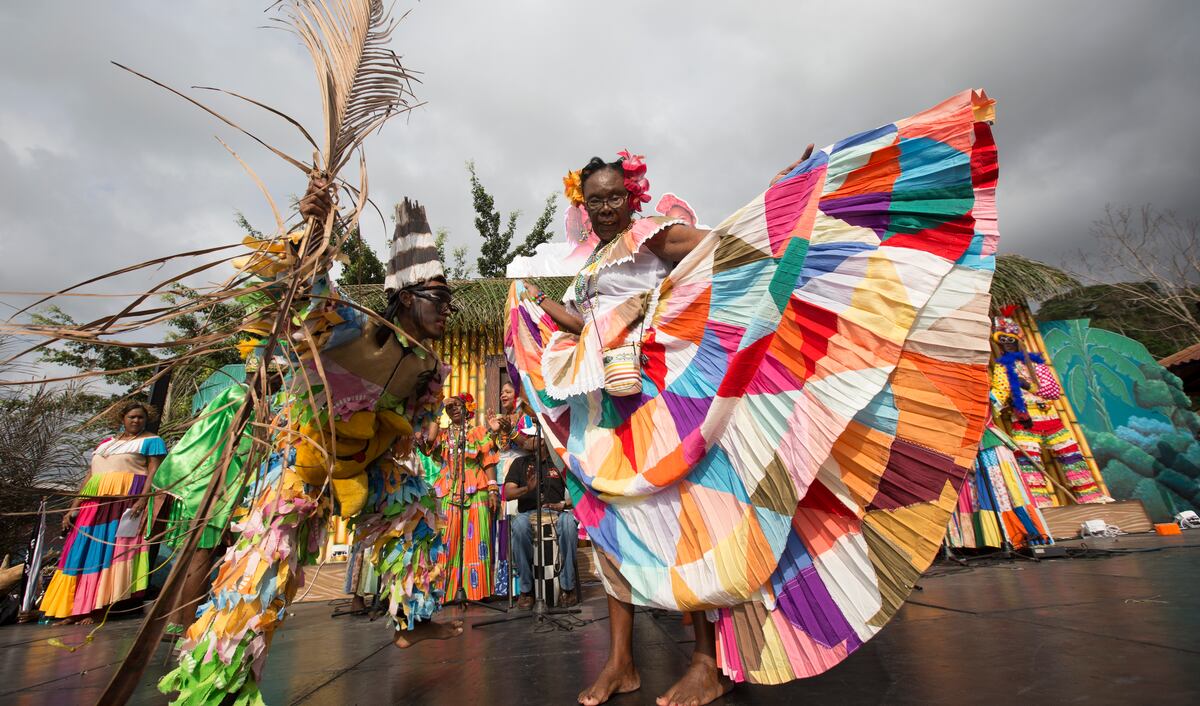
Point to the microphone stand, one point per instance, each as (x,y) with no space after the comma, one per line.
(541,611)
(460,474)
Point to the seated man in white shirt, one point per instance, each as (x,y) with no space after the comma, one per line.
(521,484)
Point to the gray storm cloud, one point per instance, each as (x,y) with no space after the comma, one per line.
(1097,105)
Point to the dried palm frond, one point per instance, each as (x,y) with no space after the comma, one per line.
(362,84)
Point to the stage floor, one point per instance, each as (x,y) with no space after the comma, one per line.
(1111,629)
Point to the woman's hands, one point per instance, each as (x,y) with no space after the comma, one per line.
(807,153)
(564,319)
(139,505)
(498,423)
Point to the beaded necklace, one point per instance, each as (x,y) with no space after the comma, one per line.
(584,281)
(456,439)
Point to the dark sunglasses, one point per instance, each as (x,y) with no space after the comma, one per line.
(440,297)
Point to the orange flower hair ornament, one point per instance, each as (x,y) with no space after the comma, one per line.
(573,188)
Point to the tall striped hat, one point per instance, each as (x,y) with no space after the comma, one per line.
(414,255)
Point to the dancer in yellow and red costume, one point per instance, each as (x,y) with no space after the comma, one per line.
(1023,383)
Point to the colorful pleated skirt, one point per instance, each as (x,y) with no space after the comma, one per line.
(814,388)
(97,569)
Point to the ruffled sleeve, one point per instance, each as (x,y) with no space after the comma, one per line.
(628,276)
(636,238)
(489,455)
(153,446)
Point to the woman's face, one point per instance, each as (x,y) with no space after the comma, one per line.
(454,410)
(507,396)
(134,421)
(607,203)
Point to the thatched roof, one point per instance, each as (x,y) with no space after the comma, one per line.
(1019,280)
(481,301)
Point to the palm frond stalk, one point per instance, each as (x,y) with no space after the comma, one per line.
(362,84)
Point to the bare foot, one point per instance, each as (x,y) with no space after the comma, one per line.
(615,678)
(66,621)
(701,684)
(427,630)
(86,620)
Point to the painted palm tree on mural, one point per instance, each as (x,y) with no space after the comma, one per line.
(1090,371)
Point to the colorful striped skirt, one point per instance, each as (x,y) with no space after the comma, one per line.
(97,569)
(476,554)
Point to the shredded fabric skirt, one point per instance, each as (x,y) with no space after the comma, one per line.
(98,569)
(814,387)
(400,527)
(224,651)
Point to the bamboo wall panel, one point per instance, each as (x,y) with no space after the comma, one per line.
(468,354)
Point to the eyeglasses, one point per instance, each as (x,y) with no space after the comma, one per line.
(441,298)
(614,201)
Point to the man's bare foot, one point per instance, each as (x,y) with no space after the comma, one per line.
(615,678)
(427,630)
(701,684)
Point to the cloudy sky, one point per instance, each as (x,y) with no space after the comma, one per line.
(1098,104)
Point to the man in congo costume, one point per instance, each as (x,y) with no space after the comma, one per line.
(377,384)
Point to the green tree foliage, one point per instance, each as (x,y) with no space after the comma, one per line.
(541,232)
(84,356)
(1150,260)
(1109,307)
(456,267)
(494,252)
(129,368)
(186,377)
(364,266)
(41,444)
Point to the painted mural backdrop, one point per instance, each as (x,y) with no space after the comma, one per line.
(1133,412)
